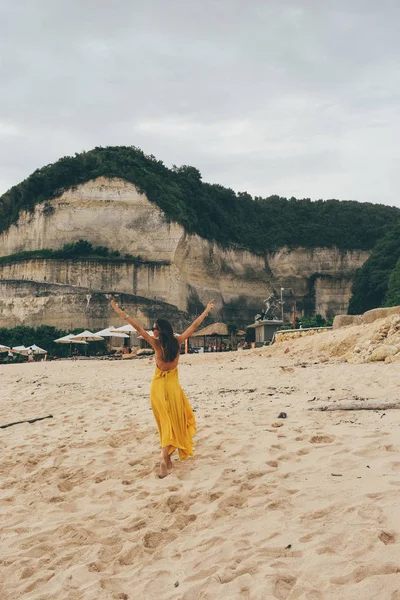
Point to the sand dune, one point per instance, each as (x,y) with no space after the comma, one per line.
(306,507)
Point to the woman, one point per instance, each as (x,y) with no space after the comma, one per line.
(174,416)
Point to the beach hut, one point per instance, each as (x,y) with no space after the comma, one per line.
(217,331)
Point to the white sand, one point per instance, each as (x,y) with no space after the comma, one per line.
(309,510)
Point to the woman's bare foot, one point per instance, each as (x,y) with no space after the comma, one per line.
(163,469)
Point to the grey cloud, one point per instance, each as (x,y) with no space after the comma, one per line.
(294,98)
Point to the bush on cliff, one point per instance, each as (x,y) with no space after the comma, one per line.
(210,210)
(76,250)
(370,287)
(393,291)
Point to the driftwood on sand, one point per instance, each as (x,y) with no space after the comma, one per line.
(358,406)
(26,421)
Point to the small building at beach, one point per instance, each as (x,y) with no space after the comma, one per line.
(264,330)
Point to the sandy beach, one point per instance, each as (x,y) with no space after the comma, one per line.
(306,507)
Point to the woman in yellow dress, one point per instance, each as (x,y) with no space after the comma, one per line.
(173,414)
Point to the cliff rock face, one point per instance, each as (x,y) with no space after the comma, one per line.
(67,307)
(176,268)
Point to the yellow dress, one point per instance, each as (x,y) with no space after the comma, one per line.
(174,416)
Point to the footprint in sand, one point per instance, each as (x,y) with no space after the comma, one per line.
(94,568)
(322,439)
(288,457)
(370,511)
(135,526)
(213,496)
(317,514)
(230,505)
(38,582)
(311,536)
(325,550)
(361,573)
(183,521)
(283,587)
(303,451)
(314,595)
(255,474)
(65,486)
(130,556)
(152,539)
(27,572)
(175,502)
(387,538)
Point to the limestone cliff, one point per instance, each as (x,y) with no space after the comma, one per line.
(177,268)
(68,307)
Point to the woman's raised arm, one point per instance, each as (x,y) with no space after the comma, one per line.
(184,336)
(134,324)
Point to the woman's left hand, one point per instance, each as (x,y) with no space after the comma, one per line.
(210,306)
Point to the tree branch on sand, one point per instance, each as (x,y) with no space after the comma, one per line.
(358,406)
(26,421)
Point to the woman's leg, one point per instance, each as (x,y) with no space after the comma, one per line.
(165,462)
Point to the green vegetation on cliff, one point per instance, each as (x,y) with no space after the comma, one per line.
(211,211)
(393,291)
(80,250)
(371,287)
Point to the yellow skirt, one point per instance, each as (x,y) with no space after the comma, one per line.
(174,416)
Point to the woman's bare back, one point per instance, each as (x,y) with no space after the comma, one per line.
(165,366)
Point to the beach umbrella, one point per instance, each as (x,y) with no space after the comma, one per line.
(111,332)
(66,339)
(19,349)
(36,349)
(87,336)
(151,334)
(4,348)
(128,328)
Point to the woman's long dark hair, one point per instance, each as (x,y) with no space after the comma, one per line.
(168,342)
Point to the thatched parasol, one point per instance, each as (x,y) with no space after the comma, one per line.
(214,330)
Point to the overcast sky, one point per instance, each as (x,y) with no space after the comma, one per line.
(269,97)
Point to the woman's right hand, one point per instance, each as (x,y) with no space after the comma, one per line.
(117,309)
